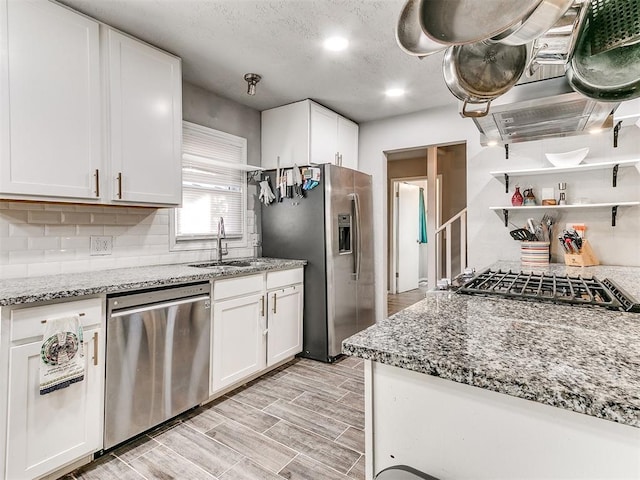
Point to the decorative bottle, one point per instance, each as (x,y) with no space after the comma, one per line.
(517,199)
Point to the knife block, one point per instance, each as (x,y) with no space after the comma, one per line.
(585,258)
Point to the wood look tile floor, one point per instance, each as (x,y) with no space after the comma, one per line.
(303,421)
(400,301)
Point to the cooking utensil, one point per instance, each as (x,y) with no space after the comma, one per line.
(458,22)
(553,46)
(478,73)
(542,18)
(409,35)
(614,23)
(522,234)
(612,74)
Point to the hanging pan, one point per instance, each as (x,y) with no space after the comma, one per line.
(409,34)
(541,19)
(605,64)
(459,22)
(478,73)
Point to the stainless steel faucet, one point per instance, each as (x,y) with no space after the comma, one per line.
(221,234)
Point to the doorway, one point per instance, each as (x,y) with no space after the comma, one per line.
(441,171)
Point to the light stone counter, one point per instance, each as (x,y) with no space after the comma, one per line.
(582,359)
(35,289)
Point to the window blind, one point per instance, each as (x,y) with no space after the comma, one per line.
(209,189)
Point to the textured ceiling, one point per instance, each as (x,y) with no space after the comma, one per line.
(221,40)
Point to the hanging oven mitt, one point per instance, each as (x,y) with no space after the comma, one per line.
(266,195)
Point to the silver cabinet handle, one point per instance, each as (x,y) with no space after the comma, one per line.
(262,306)
(97,175)
(80,314)
(119,185)
(275,300)
(95,348)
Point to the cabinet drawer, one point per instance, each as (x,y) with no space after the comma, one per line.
(284,277)
(28,322)
(234,287)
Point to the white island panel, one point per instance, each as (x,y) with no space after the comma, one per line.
(455,431)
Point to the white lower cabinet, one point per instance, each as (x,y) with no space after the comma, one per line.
(257,322)
(238,340)
(46,432)
(284,323)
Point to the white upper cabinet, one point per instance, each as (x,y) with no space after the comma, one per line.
(50,116)
(87,114)
(145,109)
(305,132)
(348,143)
(324,138)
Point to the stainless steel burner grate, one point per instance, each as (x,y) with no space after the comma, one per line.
(561,289)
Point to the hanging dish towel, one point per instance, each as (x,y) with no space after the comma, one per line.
(61,354)
(422,219)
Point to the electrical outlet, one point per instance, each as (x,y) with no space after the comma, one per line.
(101,245)
(256,241)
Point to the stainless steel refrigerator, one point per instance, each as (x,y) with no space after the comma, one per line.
(331,228)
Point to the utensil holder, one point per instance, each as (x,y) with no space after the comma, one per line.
(585,258)
(534,254)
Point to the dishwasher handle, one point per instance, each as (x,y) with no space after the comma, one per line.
(158,306)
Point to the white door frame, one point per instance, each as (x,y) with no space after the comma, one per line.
(394,235)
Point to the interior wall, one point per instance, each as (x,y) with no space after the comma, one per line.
(452,167)
(41,238)
(488,239)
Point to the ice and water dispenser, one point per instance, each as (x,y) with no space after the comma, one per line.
(344,233)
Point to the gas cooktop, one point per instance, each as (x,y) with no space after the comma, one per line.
(560,289)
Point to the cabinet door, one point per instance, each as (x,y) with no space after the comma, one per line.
(284,323)
(50,116)
(348,143)
(285,134)
(238,343)
(146,122)
(324,135)
(45,432)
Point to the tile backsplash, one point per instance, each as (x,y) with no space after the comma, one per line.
(39,238)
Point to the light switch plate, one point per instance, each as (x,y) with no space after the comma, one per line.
(101,245)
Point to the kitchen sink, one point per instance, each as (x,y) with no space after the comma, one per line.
(229,264)
(245,263)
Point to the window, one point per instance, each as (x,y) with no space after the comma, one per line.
(213,186)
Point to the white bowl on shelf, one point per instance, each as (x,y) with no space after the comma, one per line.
(567,159)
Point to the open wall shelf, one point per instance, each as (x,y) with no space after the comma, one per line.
(613,165)
(613,205)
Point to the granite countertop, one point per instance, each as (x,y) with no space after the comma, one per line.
(36,289)
(582,359)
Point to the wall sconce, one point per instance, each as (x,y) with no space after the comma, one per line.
(252,79)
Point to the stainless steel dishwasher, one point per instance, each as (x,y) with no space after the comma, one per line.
(157,357)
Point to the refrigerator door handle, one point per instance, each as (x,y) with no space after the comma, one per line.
(358,240)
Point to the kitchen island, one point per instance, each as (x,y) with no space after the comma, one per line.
(475,387)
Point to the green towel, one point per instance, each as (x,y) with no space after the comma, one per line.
(422,219)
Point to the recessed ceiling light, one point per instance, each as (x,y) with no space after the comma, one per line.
(336,44)
(595,131)
(492,143)
(394,92)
